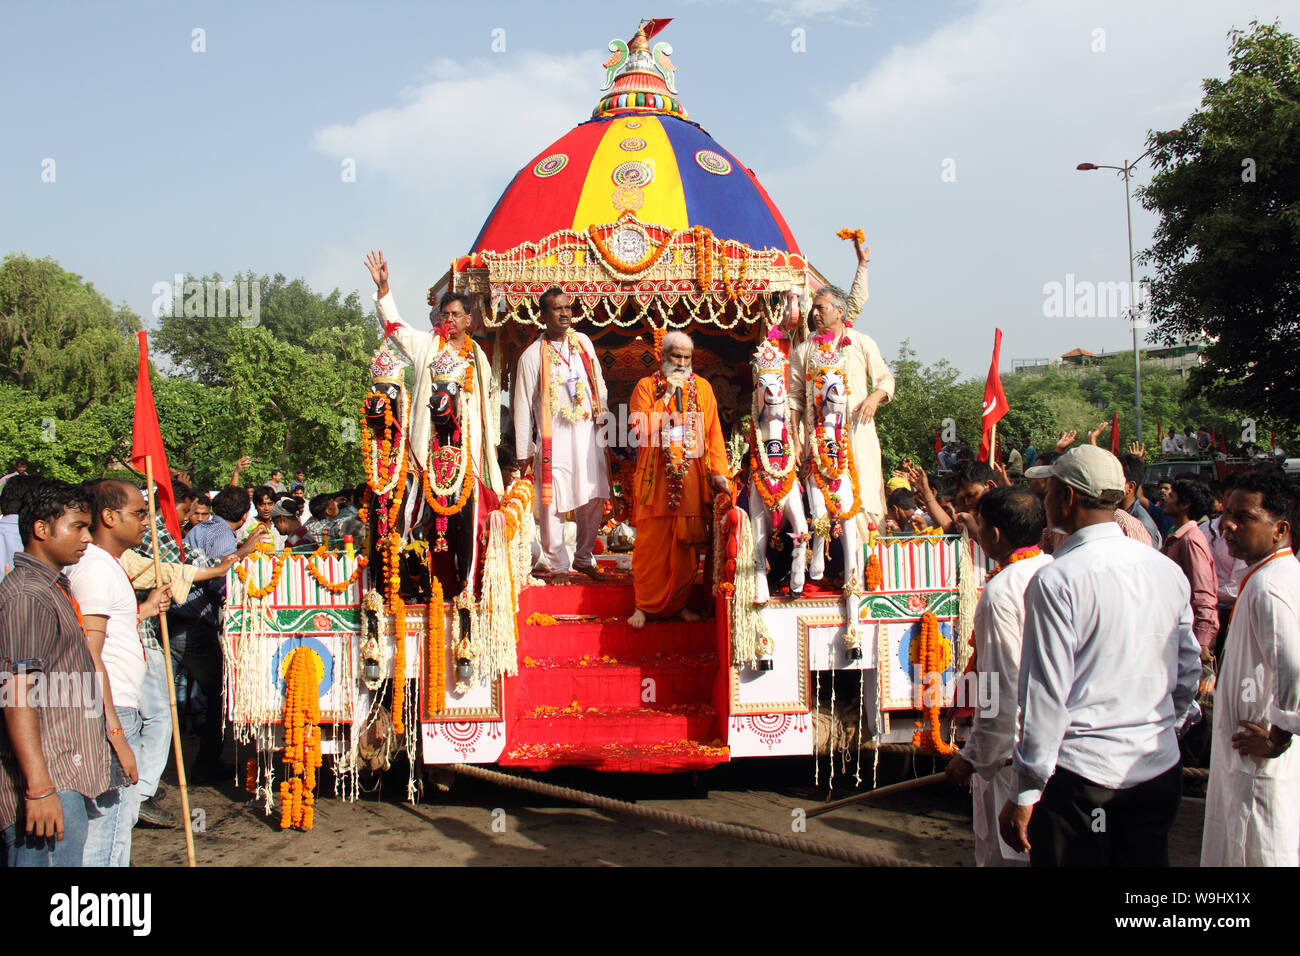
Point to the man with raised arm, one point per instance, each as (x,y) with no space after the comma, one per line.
(442,353)
(870,382)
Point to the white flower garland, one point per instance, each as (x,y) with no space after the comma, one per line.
(572,412)
(497,606)
(750,635)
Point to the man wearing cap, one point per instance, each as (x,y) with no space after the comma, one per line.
(1109,669)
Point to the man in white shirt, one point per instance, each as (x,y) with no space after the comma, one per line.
(1109,669)
(1169,446)
(559,394)
(11,496)
(106,599)
(1011,523)
(1252,805)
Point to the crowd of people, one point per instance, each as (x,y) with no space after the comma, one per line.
(1121,611)
(1119,615)
(76,560)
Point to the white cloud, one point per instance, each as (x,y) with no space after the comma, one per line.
(1013,93)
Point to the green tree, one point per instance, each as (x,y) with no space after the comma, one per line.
(60,339)
(1227,249)
(290,380)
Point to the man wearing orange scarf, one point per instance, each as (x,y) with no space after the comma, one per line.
(681,463)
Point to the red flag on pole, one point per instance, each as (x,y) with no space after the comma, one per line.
(995,400)
(1114,435)
(147,440)
(1160,434)
(654,26)
(938,445)
(1223,444)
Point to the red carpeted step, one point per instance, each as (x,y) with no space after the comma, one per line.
(589,725)
(665,680)
(668,757)
(617,640)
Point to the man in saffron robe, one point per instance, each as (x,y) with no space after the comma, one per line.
(681,463)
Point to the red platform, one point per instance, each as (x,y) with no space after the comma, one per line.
(605,696)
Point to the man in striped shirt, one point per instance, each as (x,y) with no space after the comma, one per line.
(54,753)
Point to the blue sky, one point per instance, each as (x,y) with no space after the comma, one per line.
(169,160)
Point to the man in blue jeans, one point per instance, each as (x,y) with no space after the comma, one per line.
(54,752)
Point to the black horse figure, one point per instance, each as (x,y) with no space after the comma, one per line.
(453,539)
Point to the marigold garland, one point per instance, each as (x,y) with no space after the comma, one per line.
(759,471)
(875,576)
(466,484)
(326,583)
(653,255)
(435,652)
(539,619)
(277,569)
(933,657)
(857,234)
(302,738)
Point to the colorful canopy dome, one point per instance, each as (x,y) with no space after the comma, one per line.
(637,205)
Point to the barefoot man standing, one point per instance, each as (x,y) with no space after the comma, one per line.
(681,462)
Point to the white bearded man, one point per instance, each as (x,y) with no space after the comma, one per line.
(559,394)
(869,380)
(438,354)
(681,463)
(1252,804)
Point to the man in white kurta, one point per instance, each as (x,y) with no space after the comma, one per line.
(575,475)
(1252,806)
(870,382)
(423,350)
(1011,521)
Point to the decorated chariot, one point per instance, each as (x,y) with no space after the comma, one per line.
(409,643)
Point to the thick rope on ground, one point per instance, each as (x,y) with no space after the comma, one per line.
(678,819)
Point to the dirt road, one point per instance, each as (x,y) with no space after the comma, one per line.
(478,824)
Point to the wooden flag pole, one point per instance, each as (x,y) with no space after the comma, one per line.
(890,790)
(993,444)
(167,659)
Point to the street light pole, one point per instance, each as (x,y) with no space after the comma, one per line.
(1133,297)
(1126,171)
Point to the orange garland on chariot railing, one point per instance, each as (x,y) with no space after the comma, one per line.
(397,608)
(875,576)
(325,582)
(435,651)
(277,569)
(931,659)
(302,749)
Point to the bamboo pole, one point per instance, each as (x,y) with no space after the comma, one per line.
(167,659)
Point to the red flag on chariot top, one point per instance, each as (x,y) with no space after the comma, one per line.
(1223,444)
(654,26)
(938,445)
(995,400)
(1160,434)
(1114,435)
(146,440)
(1272,442)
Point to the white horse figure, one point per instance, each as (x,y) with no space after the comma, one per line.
(775,466)
(832,468)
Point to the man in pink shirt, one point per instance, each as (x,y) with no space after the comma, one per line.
(1186,504)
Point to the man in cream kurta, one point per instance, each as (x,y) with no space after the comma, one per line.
(574,476)
(1011,521)
(1252,805)
(870,382)
(422,350)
